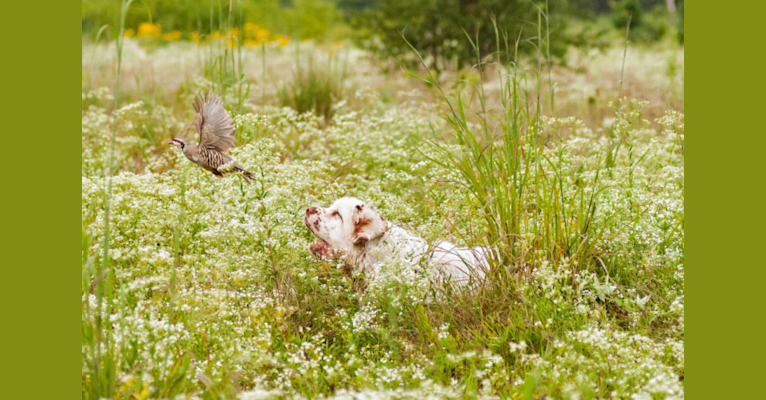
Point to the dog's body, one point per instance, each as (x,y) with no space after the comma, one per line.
(355,230)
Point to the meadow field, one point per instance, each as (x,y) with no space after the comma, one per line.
(198,287)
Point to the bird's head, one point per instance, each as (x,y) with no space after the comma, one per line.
(178,142)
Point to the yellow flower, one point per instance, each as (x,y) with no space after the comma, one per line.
(283,40)
(174,35)
(249,26)
(234,32)
(252,43)
(129,32)
(194,36)
(338,43)
(261,33)
(146,29)
(232,42)
(215,35)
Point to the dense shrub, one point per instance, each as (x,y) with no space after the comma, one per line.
(438,28)
(644,27)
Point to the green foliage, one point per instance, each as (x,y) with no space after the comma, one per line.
(625,10)
(644,27)
(438,28)
(312,19)
(500,181)
(597,33)
(172,14)
(316,85)
(306,19)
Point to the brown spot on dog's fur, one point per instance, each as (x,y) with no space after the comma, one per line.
(316,224)
(360,225)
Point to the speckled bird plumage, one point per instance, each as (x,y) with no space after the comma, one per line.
(216,135)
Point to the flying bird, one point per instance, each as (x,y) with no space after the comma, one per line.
(216,135)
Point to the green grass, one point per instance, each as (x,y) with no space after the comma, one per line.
(316,86)
(208,289)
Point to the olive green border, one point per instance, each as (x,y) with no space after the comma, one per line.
(39,61)
(724,199)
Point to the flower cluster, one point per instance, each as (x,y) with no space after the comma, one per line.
(252,35)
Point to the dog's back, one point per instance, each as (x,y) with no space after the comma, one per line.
(455,265)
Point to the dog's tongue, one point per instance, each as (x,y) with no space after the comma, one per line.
(319,248)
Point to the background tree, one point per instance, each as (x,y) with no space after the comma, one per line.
(438,28)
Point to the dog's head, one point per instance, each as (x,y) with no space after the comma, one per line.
(346,225)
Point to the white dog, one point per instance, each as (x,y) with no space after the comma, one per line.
(355,230)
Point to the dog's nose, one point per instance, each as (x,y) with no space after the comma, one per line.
(312,210)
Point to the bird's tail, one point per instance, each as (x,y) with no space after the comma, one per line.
(249,177)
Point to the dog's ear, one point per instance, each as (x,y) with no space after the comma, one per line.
(368,225)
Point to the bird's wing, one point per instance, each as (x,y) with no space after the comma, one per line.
(214,124)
